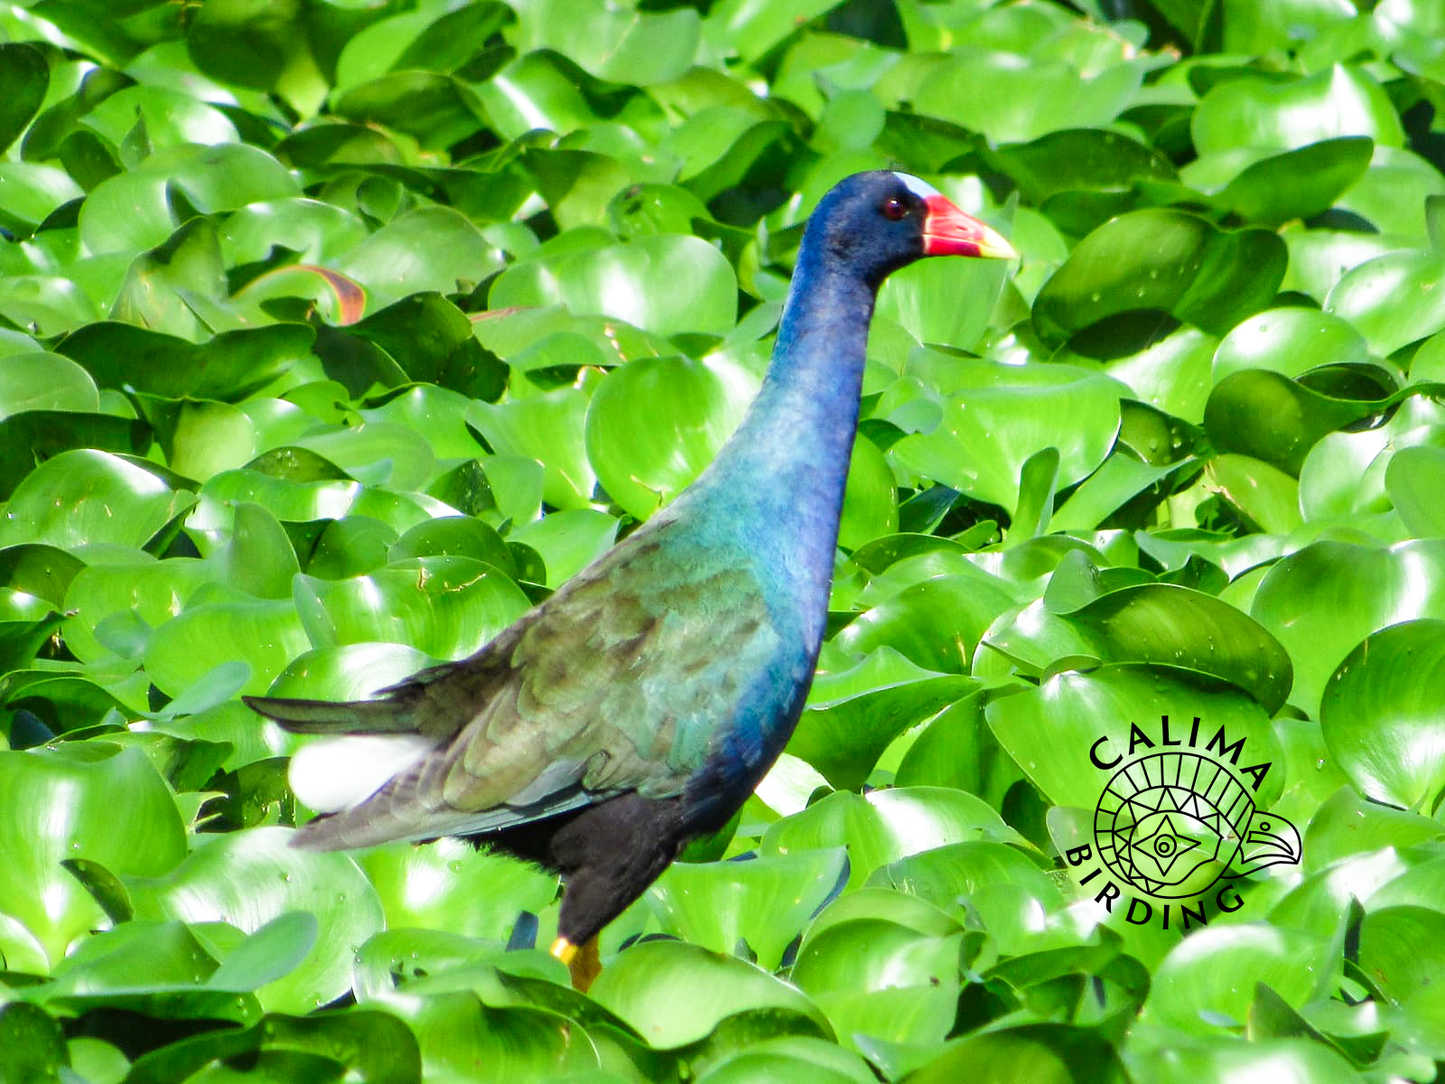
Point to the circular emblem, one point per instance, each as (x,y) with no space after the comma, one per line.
(1171,824)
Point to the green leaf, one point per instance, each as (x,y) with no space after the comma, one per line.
(1207,980)
(1391,299)
(1297,184)
(1379,716)
(247,879)
(24,78)
(675,993)
(1162,259)
(655,423)
(1323,600)
(613,43)
(977,435)
(1116,711)
(89,800)
(662,283)
(86,497)
(1048,1053)
(1256,112)
(762,903)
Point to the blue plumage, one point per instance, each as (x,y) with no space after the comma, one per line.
(639,705)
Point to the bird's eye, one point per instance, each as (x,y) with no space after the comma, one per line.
(893,208)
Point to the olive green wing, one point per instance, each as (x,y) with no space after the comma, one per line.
(620,681)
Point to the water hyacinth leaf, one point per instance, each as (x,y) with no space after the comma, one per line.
(1212,975)
(24,78)
(1400,946)
(158,969)
(227,368)
(263,634)
(430,248)
(348,671)
(1162,259)
(887,826)
(1213,1063)
(455,536)
(1289,341)
(371,1045)
(989,93)
(550,429)
(314,230)
(447,607)
(1394,193)
(145,588)
(664,284)
(789,1057)
(978,435)
(166,288)
(853,715)
(1264,494)
(288,501)
(1257,112)
(32,1043)
(45,304)
(675,993)
(1175,626)
(935,624)
(567,542)
(32,193)
(1275,419)
(270,34)
(1078,159)
(247,879)
(1322,601)
(1297,184)
(431,339)
(943,301)
(763,902)
(146,118)
(1171,375)
(655,423)
(450,885)
(132,211)
(881,980)
(1392,299)
(378,453)
(92,801)
(45,381)
(259,558)
(1046,1053)
(992,879)
(613,43)
(84,497)
(1117,712)
(1380,716)
(1413,479)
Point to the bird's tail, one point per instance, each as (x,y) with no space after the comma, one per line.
(367,744)
(386,716)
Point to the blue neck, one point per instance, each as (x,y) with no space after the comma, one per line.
(776,488)
(799,432)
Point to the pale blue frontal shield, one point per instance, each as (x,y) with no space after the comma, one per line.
(920,188)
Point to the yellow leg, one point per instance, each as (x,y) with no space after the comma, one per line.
(583,962)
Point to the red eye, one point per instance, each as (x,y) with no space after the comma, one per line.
(893,208)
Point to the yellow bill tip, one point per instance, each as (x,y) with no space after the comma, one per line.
(564,950)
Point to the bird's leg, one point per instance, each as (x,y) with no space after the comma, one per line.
(583,962)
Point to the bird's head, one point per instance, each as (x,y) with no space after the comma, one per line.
(881,220)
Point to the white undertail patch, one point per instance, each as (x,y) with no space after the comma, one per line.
(332,774)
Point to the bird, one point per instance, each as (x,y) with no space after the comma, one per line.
(638,706)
